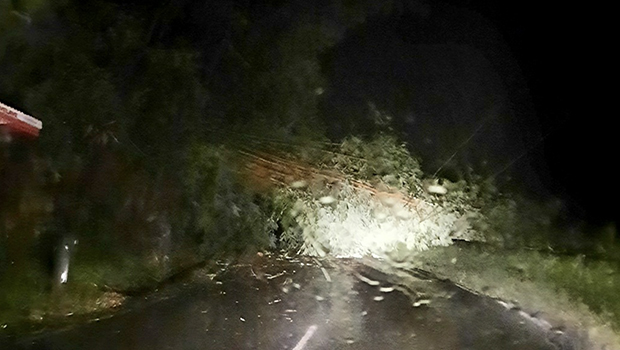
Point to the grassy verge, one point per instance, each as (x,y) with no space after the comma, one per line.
(98,286)
(571,290)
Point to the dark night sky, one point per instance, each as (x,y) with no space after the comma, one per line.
(557,48)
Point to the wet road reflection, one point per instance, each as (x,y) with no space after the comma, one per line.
(303,303)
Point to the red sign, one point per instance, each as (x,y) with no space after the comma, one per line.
(17,122)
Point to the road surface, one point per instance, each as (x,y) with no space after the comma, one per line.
(273,302)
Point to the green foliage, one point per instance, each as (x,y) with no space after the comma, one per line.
(277,75)
(89,99)
(342,216)
(226,216)
(10,24)
(200,182)
(125,117)
(239,222)
(166,104)
(380,159)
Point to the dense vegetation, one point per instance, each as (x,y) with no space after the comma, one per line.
(140,105)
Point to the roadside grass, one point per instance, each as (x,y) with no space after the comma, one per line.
(96,285)
(20,293)
(595,283)
(119,271)
(566,288)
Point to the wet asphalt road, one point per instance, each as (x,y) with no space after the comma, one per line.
(304,304)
